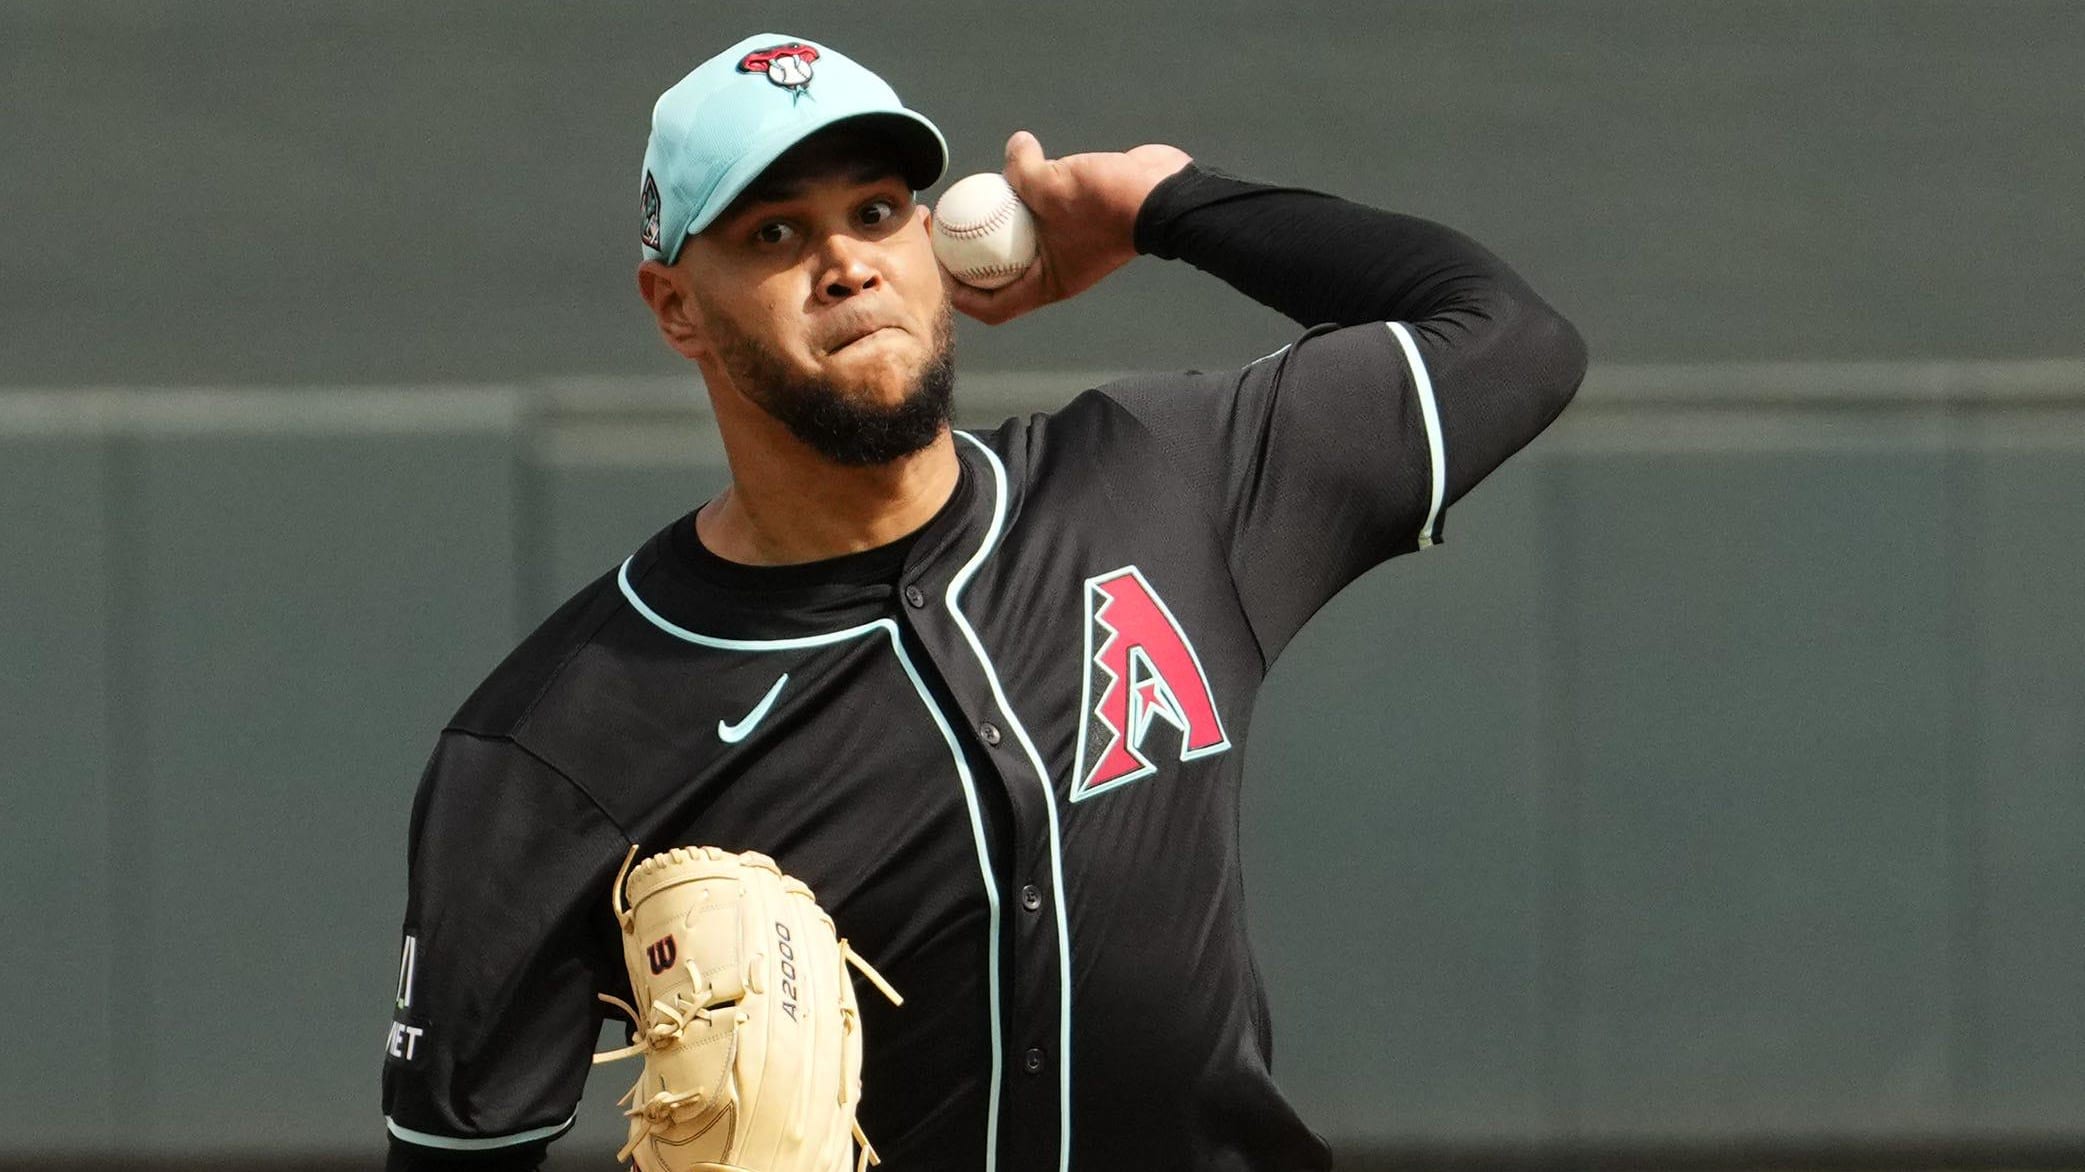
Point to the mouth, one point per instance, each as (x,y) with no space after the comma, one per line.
(862,335)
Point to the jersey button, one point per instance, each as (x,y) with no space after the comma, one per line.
(1031,897)
(989,731)
(1032,1061)
(915,597)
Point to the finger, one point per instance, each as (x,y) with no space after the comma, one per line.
(990,306)
(994,306)
(1025,162)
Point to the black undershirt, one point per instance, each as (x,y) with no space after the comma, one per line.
(1318,258)
(878,565)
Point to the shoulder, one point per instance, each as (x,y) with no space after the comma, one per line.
(1095,423)
(506,696)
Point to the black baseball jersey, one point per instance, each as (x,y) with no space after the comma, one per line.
(1005,752)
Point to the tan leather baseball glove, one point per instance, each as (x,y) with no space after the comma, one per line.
(751,1040)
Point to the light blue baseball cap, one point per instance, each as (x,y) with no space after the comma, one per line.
(719,127)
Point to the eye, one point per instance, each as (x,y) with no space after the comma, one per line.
(879,210)
(772,232)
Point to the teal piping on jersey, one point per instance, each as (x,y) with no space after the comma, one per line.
(1431,413)
(1006,709)
(475,1144)
(955,752)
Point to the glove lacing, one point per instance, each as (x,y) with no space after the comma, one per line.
(669,1020)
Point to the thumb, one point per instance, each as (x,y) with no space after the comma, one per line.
(1024,161)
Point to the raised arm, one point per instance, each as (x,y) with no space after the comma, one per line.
(1428,363)
(1502,364)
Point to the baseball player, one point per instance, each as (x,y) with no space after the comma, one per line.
(987,693)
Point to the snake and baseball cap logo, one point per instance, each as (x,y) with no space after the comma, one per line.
(788,66)
(1143,671)
(719,127)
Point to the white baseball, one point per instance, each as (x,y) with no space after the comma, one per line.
(983,233)
(788,69)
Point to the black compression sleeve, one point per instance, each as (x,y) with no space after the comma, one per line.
(1502,362)
(1316,257)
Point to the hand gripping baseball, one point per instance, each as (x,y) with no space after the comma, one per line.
(1085,208)
(750,1035)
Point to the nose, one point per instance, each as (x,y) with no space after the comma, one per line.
(849,266)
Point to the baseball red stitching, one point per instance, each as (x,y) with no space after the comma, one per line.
(997,218)
(993,270)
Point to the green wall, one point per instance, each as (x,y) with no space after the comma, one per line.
(1717,781)
(274,192)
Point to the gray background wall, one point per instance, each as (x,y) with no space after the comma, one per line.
(1716,784)
(213,191)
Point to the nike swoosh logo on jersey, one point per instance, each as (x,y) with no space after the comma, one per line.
(732,734)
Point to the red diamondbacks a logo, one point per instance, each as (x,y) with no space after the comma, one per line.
(1140,671)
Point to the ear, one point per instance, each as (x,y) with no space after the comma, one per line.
(679,318)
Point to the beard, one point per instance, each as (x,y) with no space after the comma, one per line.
(840,424)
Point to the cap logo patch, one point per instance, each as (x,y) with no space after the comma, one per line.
(788,66)
(651,213)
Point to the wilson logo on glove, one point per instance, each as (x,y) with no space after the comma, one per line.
(661,954)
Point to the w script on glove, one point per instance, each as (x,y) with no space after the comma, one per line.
(750,1033)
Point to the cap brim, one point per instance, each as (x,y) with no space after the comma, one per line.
(922,153)
(921,150)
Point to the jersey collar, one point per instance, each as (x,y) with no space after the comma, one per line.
(804,602)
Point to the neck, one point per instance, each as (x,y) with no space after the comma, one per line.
(788,504)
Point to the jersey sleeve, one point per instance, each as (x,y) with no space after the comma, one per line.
(507,940)
(1347,447)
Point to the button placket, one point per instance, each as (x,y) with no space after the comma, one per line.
(1034,996)
(958,680)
